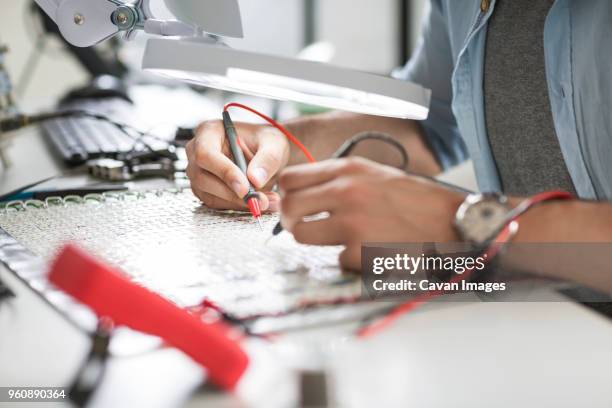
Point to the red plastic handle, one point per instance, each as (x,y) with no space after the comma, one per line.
(111,294)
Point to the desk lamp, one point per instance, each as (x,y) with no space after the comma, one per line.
(191,48)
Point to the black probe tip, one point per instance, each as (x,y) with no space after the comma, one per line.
(278,228)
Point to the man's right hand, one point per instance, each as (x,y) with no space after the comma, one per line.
(218,182)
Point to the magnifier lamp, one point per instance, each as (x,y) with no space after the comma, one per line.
(191,48)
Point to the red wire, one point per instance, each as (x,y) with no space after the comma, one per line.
(277,125)
(504,236)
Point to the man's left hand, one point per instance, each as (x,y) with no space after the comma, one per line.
(366,202)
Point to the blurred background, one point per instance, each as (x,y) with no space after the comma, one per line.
(373,36)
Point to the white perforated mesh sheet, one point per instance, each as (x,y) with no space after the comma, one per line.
(169,243)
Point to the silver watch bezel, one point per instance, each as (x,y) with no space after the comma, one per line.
(470,201)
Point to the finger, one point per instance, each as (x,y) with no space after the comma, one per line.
(269,201)
(311,201)
(350,258)
(208,154)
(248,154)
(264,201)
(268,160)
(217,203)
(211,184)
(274,201)
(305,175)
(205,181)
(328,231)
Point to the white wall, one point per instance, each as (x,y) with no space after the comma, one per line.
(56,71)
(272,26)
(364,32)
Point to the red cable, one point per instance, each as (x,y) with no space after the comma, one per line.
(277,125)
(504,236)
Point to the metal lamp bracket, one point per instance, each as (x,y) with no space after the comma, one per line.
(86,23)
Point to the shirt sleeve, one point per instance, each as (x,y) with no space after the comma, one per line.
(431,66)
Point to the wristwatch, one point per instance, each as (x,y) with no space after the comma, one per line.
(481,217)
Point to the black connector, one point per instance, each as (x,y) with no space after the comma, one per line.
(5,292)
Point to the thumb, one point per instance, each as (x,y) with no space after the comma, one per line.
(267,162)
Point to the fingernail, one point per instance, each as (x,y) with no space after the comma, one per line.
(261,176)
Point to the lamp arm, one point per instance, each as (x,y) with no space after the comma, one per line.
(86,23)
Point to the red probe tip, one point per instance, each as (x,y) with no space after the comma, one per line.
(253,204)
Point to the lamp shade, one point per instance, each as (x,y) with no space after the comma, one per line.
(217,66)
(219,17)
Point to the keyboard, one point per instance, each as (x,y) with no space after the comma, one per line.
(79,139)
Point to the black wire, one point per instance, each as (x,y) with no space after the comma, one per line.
(350,145)
(5,292)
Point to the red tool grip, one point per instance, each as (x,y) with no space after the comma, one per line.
(253,204)
(110,294)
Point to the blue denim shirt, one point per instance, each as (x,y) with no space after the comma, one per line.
(578,46)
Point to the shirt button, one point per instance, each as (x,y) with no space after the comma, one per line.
(484,5)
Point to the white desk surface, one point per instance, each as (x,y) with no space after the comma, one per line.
(30,161)
(545,354)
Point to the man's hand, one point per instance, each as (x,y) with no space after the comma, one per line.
(218,182)
(366,202)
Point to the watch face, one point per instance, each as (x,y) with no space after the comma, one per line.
(482,219)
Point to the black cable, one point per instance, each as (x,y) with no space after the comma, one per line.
(404,32)
(5,292)
(310,26)
(91,373)
(350,145)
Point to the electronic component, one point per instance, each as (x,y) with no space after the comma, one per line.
(117,170)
